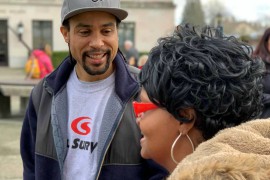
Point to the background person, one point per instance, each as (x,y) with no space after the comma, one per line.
(142,61)
(45,62)
(79,123)
(131,53)
(48,50)
(194,84)
(43,65)
(263,51)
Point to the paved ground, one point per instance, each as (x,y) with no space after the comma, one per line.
(10,160)
(10,73)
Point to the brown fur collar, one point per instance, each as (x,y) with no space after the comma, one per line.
(237,153)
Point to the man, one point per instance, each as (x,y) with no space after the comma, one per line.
(131,53)
(80,122)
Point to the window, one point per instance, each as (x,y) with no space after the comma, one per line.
(126,31)
(42,33)
(3,43)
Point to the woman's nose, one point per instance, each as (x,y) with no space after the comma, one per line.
(138,119)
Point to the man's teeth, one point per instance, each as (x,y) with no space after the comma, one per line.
(96,56)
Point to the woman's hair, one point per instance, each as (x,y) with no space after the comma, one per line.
(204,70)
(48,49)
(261,49)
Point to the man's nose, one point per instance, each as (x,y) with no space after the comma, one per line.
(96,41)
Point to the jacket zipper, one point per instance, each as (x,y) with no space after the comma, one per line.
(114,134)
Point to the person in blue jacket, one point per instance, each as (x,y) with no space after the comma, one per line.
(80,122)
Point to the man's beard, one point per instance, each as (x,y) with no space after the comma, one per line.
(92,72)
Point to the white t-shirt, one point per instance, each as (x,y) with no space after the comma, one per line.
(86,105)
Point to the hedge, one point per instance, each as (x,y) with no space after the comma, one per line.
(58,57)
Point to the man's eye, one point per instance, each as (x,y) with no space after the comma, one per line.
(84,33)
(107,31)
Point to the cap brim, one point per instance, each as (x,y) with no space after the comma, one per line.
(119,13)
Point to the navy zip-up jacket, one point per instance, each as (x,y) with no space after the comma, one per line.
(44,131)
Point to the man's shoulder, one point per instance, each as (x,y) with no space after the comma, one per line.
(38,89)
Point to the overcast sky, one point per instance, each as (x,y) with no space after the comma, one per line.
(249,10)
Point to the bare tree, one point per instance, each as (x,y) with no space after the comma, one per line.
(193,13)
(213,9)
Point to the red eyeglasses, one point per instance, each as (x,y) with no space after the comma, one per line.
(140,107)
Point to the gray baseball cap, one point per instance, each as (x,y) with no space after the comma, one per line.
(73,7)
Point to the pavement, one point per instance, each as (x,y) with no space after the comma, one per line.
(11,73)
(10,159)
(10,128)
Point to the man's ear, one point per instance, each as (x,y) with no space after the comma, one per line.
(189,114)
(65,33)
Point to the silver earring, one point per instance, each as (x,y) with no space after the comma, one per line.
(173,145)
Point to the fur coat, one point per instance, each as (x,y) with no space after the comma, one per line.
(238,153)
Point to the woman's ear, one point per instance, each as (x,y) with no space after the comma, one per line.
(190,114)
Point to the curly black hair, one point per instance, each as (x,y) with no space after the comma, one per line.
(215,75)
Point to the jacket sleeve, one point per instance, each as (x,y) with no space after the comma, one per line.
(27,142)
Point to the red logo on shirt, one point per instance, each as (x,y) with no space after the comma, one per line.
(80,125)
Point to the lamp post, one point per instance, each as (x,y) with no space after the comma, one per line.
(20,30)
(219,25)
(219,19)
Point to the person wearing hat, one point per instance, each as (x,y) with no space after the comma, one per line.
(80,122)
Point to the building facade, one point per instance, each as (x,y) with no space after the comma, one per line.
(28,24)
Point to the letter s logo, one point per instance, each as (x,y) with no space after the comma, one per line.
(80,125)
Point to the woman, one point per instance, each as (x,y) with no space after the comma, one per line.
(194,84)
(39,63)
(263,51)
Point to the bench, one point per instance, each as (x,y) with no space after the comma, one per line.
(8,88)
